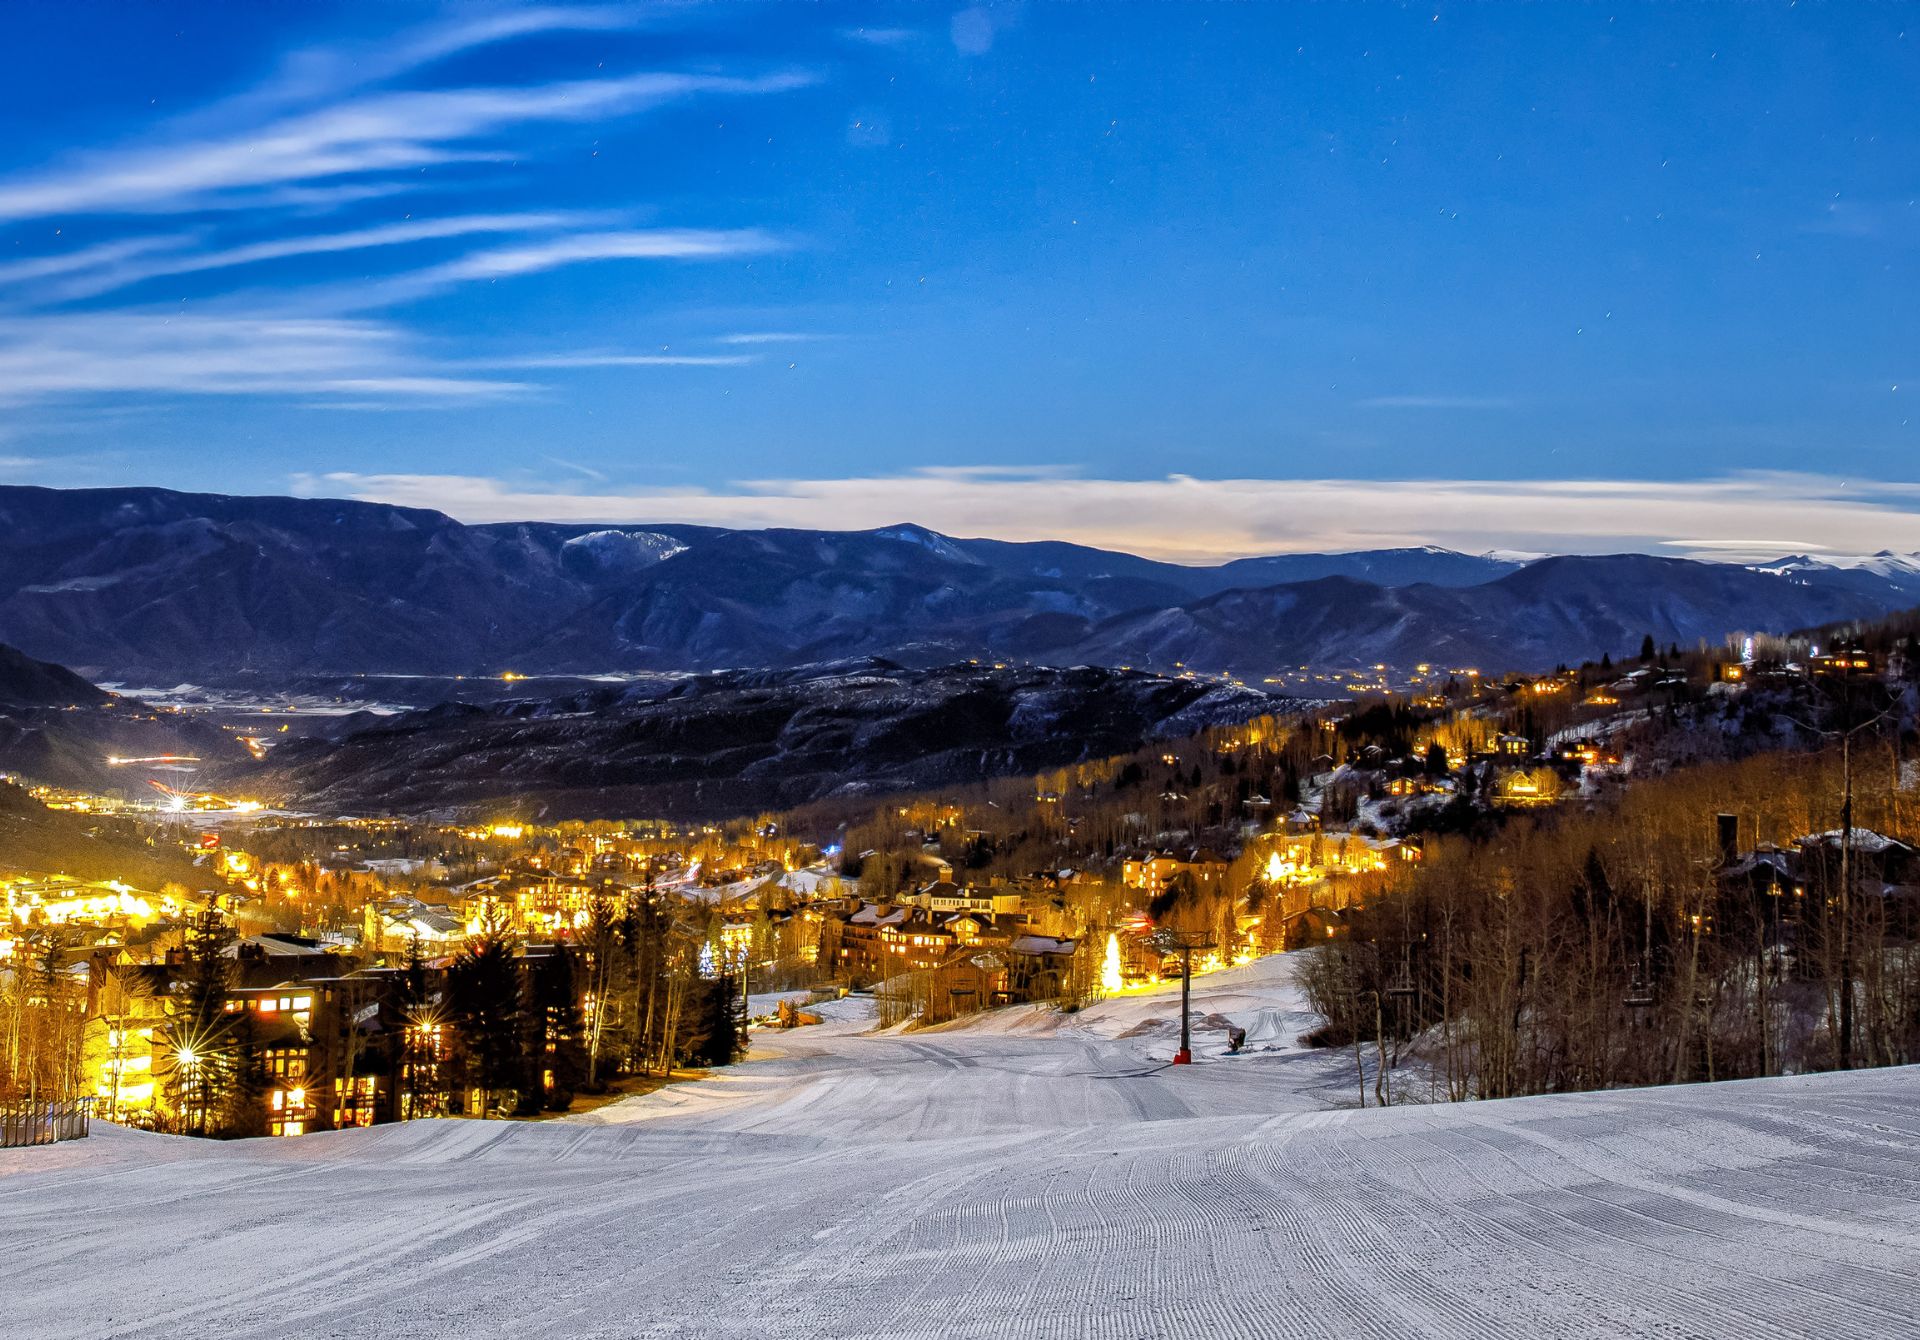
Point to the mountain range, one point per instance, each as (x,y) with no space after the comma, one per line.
(150,586)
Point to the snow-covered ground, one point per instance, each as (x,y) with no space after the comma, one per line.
(1026,1175)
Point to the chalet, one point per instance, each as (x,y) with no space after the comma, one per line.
(916,941)
(1039,967)
(1527,788)
(1314,925)
(984,930)
(1778,892)
(1153,871)
(1881,867)
(968,981)
(1843,663)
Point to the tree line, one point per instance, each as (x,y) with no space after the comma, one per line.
(1626,945)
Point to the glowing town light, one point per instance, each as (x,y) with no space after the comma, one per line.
(1110,970)
(1276,868)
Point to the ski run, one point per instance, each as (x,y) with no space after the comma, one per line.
(1030,1175)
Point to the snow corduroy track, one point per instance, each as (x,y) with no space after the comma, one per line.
(948,1184)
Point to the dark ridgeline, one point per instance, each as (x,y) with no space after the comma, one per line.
(156,586)
(722,745)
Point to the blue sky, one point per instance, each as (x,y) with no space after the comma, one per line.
(1190,279)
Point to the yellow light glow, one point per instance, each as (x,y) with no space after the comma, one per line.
(1110,970)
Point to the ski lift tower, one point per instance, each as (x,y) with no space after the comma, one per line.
(1183,943)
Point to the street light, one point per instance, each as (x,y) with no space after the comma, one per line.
(1183,943)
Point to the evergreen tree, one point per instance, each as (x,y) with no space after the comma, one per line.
(710,1035)
(244,1104)
(422,1089)
(1647,652)
(199,1031)
(484,1005)
(554,1060)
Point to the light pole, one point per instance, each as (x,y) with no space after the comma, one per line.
(1184,943)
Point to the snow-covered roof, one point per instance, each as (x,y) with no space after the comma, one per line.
(1042,944)
(1864,840)
(871,915)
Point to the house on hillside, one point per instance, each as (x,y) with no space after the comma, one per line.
(1040,967)
(1314,925)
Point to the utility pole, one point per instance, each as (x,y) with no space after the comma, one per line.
(1184,943)
(1845,732)
(1846,901)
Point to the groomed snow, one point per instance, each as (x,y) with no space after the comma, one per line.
(1024,1176)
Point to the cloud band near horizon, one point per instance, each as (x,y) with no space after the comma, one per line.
(1738,517)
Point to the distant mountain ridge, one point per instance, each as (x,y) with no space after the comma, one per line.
(730,744)
(154,586)
(57,728)
(26,682)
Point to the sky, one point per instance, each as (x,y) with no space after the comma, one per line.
(1192,280)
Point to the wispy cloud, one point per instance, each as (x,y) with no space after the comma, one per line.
(166,353)
(648,244)
(585,471)
(1437,402)
(111,271)
(97,257)
(370,133)
(334,362)
(328,131)
(603,360)
(1758,515)
(549,253)
(317,72)
(772,337)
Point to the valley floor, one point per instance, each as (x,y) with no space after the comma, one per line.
(1026,1176)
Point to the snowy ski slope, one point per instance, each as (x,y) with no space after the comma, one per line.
(990,1182)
